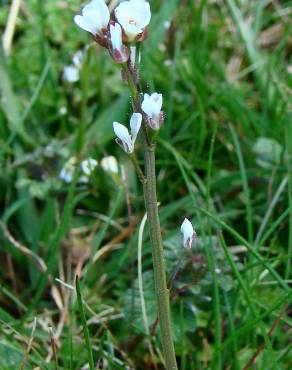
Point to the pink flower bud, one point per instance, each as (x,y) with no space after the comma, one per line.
(118,50)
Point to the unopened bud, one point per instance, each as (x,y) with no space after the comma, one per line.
(189,234)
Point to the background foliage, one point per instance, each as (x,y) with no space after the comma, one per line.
(224,160)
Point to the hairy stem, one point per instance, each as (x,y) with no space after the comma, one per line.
(162,291)
(149,187)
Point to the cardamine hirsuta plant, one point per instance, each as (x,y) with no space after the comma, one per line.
(122,33)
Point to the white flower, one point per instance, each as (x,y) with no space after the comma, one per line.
(166,24)
(78,58)
(70,74)
(110,164)
(95,17)
(133,16)
(67,172)
(83,179)
(127,140)
(66,175)
(151,105)
(189,234)
(119,51)
(63,111)
(88,166)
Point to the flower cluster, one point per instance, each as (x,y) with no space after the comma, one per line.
(109,164)
(71,72)
(87,167)
(128,24)
(120,33)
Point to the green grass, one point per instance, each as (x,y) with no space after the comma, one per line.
(224,69)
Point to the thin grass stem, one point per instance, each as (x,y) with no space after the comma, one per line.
(84,324)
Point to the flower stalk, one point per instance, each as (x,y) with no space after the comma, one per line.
(151,205)
(122,37)
(162,291)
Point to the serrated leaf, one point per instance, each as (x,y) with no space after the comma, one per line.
(150,302)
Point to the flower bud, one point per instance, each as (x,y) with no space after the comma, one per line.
(70,74)
(110,164)
(151,105)
(118,50)
(124,138)
(189,234)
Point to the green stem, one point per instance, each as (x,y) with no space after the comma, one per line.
(84,324)
(162,291)
(140,173)
(149,187)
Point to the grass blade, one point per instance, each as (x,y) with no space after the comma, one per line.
(84,324)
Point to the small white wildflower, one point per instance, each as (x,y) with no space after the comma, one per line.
(189,234)
(110,164)
(152,105)
(168,62)
(127,140)
(94,17)
(83,179)
(134,16)
(166,24)
(63,111)
(49,151)
(78,59)
(67,172)
(70,74)
(88,166)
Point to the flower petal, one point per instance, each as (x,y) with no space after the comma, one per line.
(100,7)
(116,36)
(122,133)
(70,74)
(82,23)
(135,124)
(134,16)
(95,16)
(158,100)
(151,105)
(131,30)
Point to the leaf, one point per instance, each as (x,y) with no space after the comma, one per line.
(10,356)
(150,302)
(10,104)
(268,152)
(189,318)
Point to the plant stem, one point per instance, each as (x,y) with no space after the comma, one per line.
(149,187)
(162,291)
(84,324)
